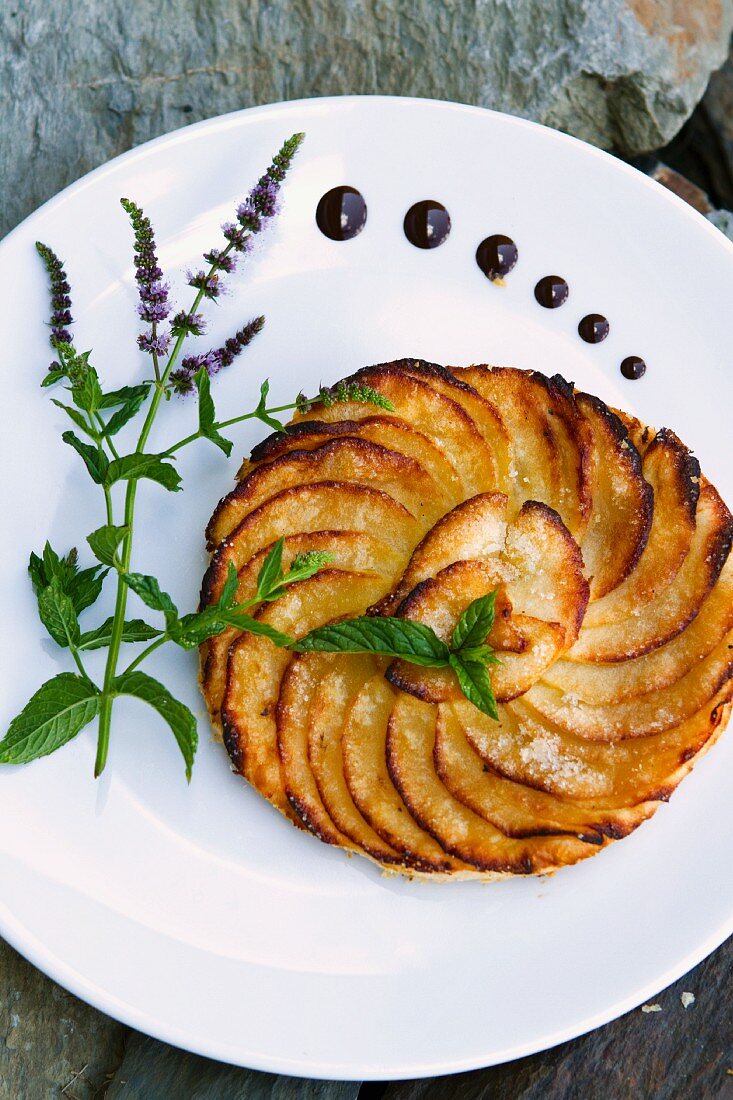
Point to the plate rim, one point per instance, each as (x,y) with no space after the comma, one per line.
(67,976)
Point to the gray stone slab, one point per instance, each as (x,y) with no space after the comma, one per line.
(154,1071)
(49,1040)
(83,80)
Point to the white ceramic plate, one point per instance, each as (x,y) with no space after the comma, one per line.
(197,914)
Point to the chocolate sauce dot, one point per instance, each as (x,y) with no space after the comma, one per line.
(593,328)
(496,256)
(341,213)
(552,291)
(633,367)
(427,224)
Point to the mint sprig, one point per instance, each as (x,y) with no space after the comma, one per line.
(468,654)
(100,418)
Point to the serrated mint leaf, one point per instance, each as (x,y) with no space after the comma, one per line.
(133,630)
(475,622)
(86,390)
(94,460)
(37,572)
(179,718)
(261,410)
(104,542)
(242,621)
(207,413)
(52,377)
(229,591)
(271,570)
(57,614)
(53,716)
(80,421)
(475,683)
(149,591)
(412,641)
(126,412)
(85,587)
(139,465)
(123,395)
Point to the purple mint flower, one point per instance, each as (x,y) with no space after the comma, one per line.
(154,306)
(220,262)
(182,379)
(208,282)
(260,206)
(60,298)
(188,324)
(154,343)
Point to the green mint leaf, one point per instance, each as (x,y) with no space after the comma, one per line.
(55,714)
(271,571)
(179,718)
(242,621)
(149,591)
(133,630)
(475,683)
(412,641)
(261,411)
(53,376)
(305,565)
(475,623)
(104,542)
(123,395)
(57,614)
(138,465)
(85,389)
(126,412)
(207,413)
(229,591)
(85,587)
(483,653)
(94,460)
(37,573)
(79,419)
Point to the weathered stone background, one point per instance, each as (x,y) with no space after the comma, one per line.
(83,80)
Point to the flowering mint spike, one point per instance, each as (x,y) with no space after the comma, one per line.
(182,380)
(260,206)
(60,301)
(154,306)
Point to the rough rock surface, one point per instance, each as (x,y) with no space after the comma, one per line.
(83,81)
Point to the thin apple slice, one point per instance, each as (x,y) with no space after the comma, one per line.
(518,810)
(482,411)
(410,742)
(623,504)
(547,579)
(351,550)
(674,476)
(331,703)
(525,748)
(440,418)
(342,460)
(297,690)
(550,441)
(648,714)
(256,667)
(657,622)
(321,507)
(365,770)
(387,431)
(475,529)
(613,683)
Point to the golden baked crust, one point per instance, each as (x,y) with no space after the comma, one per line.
(611,556)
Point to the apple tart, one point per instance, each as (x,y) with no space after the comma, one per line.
(609,553)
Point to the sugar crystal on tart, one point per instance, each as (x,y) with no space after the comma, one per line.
(604,556)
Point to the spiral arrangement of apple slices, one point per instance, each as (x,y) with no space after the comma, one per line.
(614,623)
